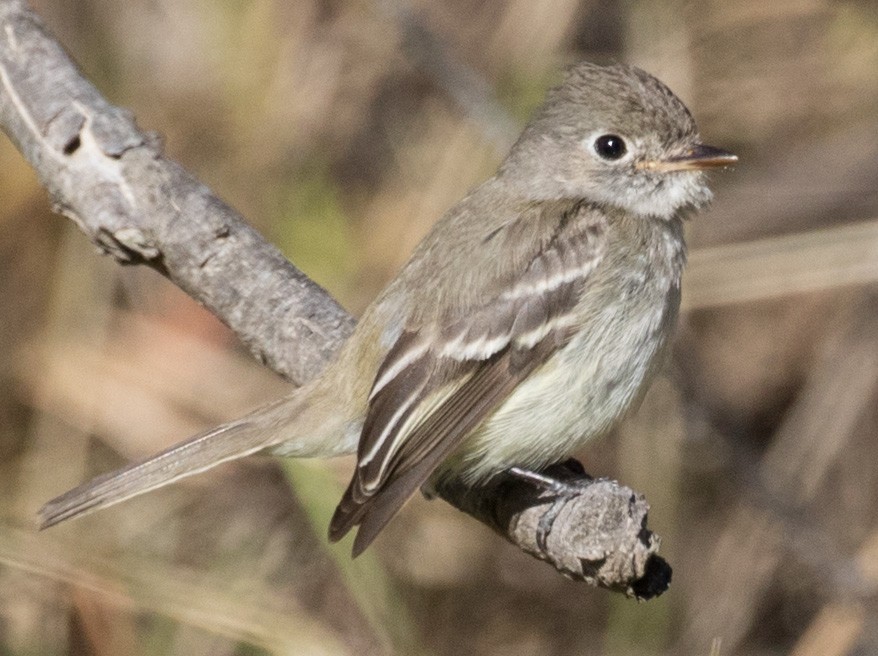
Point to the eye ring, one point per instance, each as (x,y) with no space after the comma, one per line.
(610,147)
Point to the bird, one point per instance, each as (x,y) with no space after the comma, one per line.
(528,321)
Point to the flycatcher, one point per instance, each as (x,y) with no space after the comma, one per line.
(527,322)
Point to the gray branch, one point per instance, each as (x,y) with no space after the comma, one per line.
(139,207)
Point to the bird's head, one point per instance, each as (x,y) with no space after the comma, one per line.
(618,137)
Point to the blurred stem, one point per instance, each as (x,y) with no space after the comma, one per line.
(56,453)
(367,580)
(311,229)
(650,444)
(79,310)
(657,38)
(159,587)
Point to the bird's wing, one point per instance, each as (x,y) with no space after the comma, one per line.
(440,380)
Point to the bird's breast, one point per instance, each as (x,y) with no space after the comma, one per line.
(626,317)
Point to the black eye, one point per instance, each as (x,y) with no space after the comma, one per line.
(610,146)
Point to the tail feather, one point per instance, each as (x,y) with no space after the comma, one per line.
(191,457)
(258,431)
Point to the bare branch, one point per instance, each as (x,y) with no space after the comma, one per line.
(592,531)
(141,208)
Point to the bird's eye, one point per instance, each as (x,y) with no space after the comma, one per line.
(610,146)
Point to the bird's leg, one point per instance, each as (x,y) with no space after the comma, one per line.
(563,488)
(561,478)
(538,479)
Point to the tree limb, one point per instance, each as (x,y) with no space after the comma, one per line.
(139,207)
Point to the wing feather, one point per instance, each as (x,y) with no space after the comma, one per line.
(440,381)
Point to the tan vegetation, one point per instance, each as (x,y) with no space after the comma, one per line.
(343,129)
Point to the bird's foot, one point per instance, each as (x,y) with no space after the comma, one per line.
(563,481)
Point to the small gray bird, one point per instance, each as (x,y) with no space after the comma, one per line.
(527,322)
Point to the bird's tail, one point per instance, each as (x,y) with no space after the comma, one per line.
(279,422)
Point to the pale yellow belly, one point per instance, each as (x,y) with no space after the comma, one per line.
(579,394)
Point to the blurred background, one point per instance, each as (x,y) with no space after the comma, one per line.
(343,129)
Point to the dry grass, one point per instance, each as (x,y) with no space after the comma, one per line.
(343,130)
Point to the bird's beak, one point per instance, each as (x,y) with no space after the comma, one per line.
(695,159)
